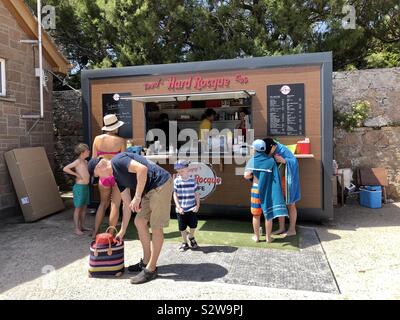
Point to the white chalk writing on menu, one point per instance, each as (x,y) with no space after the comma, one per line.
(285,110)
(122,109)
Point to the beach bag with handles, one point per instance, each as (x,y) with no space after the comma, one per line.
(106,255)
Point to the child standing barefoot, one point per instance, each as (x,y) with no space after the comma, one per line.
(187,202)
(81,187)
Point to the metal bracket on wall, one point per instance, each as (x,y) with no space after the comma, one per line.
(31,117)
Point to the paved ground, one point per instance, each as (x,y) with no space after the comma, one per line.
(360,246)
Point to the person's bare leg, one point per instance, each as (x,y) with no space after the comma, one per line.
(191,233)
(105,195)
(184,235)
(115,204)
(281,228)
(256,228)
(268,231)
(157,241)
(82,219)
(144,237)
(292,220)
(77,227)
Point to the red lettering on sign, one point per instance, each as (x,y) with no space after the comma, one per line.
(208,180)
(152,85)
(196,82)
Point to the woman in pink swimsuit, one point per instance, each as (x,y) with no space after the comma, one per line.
(107,145)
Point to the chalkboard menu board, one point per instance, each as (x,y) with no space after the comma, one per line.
(123,110)
(285,110)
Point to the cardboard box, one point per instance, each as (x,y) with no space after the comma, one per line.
(34,182)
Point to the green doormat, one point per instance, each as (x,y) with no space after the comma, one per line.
(219,232)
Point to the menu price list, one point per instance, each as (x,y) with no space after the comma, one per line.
(285,109)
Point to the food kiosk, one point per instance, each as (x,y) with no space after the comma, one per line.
(288,98)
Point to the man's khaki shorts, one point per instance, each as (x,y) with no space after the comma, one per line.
(156,205)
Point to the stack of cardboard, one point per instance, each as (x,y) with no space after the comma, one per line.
(34,182)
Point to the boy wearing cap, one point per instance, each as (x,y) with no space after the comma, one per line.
(187,202)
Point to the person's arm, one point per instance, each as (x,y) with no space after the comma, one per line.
(68,169)
(126,212)
(248,174)
(94,148)
(279,159)
(197,202)
(141,177)
(178,207)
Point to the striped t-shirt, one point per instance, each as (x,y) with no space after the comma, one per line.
(186,192)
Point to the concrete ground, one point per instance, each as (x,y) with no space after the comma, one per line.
(357,258)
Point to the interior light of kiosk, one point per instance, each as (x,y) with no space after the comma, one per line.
(116,97)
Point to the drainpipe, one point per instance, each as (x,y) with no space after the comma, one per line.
(39,43)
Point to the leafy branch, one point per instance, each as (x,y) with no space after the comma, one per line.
(353,119)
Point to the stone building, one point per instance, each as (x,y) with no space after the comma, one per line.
(19,88)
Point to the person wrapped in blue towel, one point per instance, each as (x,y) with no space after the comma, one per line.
(290,181)
(263,169)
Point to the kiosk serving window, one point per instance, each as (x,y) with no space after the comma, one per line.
(233,110)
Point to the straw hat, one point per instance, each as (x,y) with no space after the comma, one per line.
(111,122)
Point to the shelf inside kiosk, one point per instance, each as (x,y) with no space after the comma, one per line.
(231,114)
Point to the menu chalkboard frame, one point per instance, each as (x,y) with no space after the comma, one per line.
(126,131)
(279,89)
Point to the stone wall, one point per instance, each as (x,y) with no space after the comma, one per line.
(22,97)
(68,131)
(377,144)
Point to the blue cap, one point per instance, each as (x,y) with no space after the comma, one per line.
(181,164)
(259,145)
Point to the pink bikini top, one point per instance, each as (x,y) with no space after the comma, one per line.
(100,153)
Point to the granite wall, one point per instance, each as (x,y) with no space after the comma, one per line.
(68,132)
(377,143)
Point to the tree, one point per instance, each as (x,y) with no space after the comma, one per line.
(109,33)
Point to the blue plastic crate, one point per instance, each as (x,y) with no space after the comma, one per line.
(371,196)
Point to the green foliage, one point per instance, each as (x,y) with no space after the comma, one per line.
(383,59)
(109,33)
(353,119)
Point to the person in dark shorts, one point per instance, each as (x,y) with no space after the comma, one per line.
(152,186)
(187,201)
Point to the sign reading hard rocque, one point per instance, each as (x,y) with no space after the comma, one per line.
(285,110)
(205,177)
(196,82)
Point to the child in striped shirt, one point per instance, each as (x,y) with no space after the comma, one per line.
(187,201)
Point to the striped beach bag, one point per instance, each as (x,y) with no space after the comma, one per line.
(106,255)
